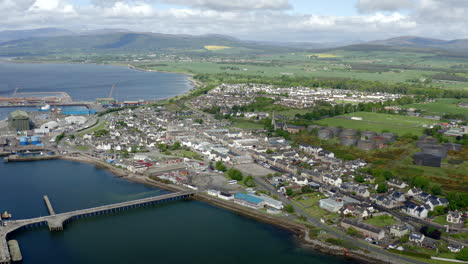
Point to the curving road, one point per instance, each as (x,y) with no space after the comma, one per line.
(316,222)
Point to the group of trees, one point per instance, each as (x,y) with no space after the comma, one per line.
(235,174)
(165,147)
(430,232)
(220,166)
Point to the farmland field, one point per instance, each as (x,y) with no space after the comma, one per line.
(397,124)
(441,106)
(216,47)
(246,124)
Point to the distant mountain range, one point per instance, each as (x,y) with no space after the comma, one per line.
(52,41)
(460,45)
(9,35)
(31,43)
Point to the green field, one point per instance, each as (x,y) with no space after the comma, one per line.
(383,66)
(381,221)
(441,106)
(377,122)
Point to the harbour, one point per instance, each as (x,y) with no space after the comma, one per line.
(156,226)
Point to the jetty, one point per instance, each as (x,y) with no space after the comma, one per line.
(18,158)
(56,221)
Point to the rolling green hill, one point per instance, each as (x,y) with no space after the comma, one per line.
(118,43)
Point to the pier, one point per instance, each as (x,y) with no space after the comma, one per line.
(49,205)
(56,222)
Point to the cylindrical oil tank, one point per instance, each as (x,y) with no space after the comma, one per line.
(348,132)
(452,147)
(24,140)
(312,127)
(425,140)
(368,135)
(436,150)
(336,130)
(388,136)
(35,140)
(366,145)
(348,140)
(325,134)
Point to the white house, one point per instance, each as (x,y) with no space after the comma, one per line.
(416,237)
(454,217)
(332,180)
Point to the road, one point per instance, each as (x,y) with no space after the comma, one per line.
(316,222)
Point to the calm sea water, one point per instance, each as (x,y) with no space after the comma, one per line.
(178,232)
(86,82)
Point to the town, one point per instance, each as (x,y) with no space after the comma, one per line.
(260,170)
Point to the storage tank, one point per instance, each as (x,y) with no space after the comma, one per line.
(435,150)
(453,147)
(35,140)
(336,131)
(325,134)
(380,142)
(425,140)
(366,145)
(348,132)
(390,137)
(312,127)
(23,140)
(368,135)
(348,140)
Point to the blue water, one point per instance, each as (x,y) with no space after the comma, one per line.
(86,82)
(178,232)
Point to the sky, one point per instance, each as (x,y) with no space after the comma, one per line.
(266,20)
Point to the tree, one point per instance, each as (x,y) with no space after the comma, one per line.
(438,210)
(235,174)
(430,232)
(436,189)
(220,166)
(175,146)
(162,147)
(289,192)
(457,200)
(359,178)
(269,151)
(388,175)
(249,181)
(289,208)
(382,188)
(306,189)
(463,254)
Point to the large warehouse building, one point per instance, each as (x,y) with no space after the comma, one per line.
(19,120)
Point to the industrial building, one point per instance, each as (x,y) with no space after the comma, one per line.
(249,200)
(19,120)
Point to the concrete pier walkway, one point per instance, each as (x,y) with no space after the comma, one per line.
(56,221)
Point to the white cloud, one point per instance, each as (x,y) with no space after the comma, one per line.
(263,20)
(223,5)
(366,6)
(121,9)
(51,6)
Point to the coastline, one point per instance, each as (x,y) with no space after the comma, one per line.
(194,82)
(300,231)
